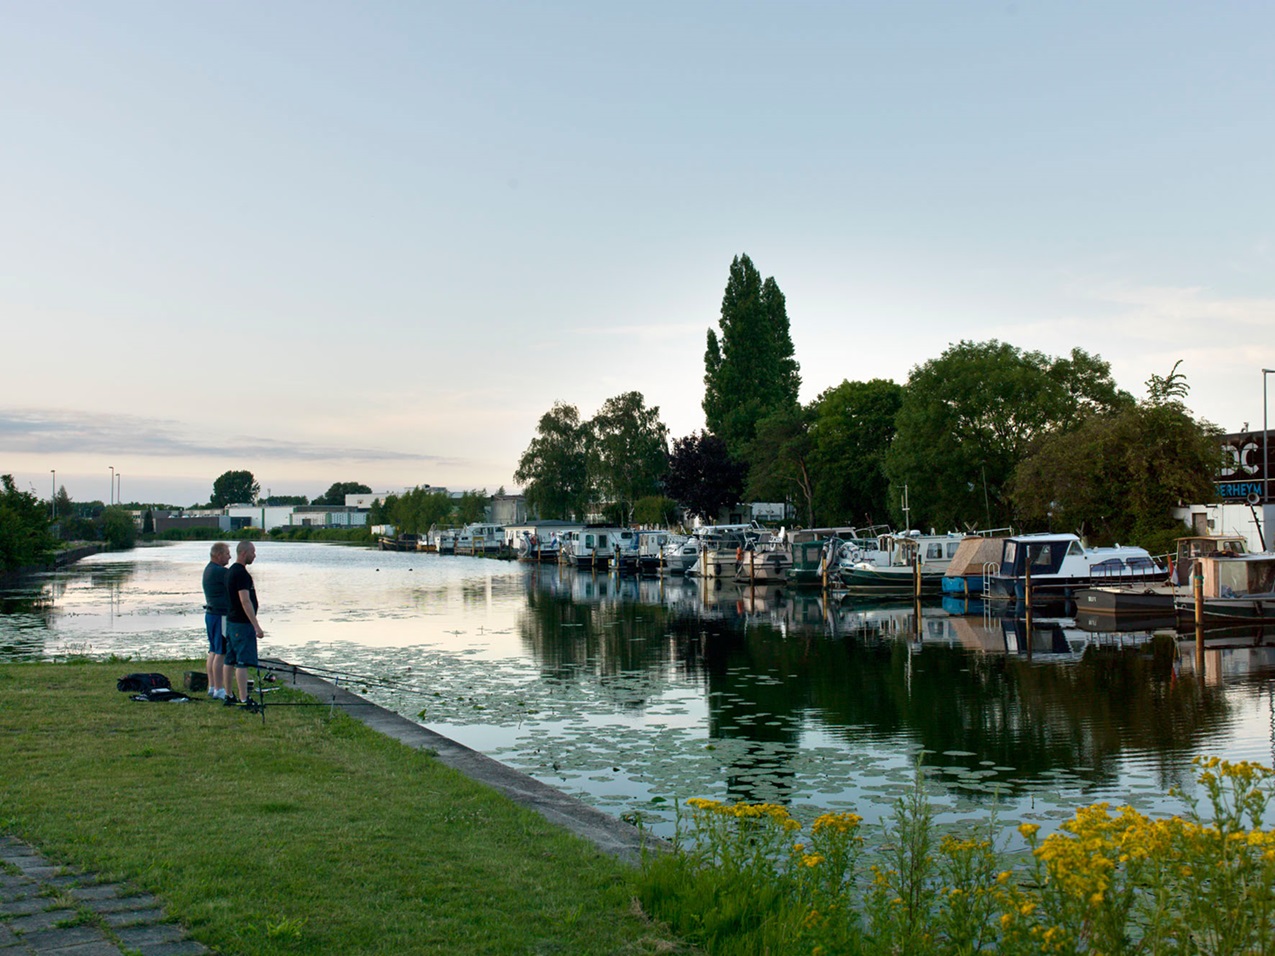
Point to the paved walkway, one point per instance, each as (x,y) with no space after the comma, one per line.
(54,910)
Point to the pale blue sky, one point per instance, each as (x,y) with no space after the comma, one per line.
(375,242)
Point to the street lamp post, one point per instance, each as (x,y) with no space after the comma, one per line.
(119,484)
(111,493)
(1266,442)
(53,496)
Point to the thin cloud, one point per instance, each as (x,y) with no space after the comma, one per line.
(50,431)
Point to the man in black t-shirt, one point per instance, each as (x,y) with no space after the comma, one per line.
(242,628)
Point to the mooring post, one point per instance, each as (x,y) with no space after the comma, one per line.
(1197,588)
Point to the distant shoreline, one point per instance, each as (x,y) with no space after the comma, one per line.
(58,559)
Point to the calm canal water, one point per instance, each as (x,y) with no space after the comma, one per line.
(634,694)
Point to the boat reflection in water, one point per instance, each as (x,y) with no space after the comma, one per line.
(1002,704)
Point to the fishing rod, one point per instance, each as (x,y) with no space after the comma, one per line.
(337,676)
(279,667)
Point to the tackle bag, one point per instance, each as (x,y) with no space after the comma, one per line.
(141,683)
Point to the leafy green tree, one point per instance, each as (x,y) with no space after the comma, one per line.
(472,507)
(24,527)
(970,416)
(1116,476)
(780,467)
(234,488)
(554,469)
(627,451)
(852,431)
(335,495)
(118,530)
(655,511)
(703,477)
(62,505)
(382,510)
(416,511)
(148,522)
(288,500)
(749,369)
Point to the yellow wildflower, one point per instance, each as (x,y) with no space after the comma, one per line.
(1028,830)
(699,803)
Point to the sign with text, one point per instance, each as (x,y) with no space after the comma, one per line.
(1243,471)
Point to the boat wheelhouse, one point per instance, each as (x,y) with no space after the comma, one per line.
(1190,549)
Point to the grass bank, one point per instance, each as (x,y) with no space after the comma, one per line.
(309,833)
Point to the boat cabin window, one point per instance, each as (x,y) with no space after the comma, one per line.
(1043,556)
(1075,548)
(952,548)
(934,550)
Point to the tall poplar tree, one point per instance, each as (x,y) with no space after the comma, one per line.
(749,369)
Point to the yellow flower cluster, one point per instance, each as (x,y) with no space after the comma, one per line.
(836,823)
(746,811)
(953,846)
(1107,875)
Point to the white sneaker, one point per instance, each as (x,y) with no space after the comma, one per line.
(219,694)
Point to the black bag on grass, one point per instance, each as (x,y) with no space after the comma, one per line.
(141,683)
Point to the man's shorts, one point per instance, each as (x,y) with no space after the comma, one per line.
(241,645)
(215,625)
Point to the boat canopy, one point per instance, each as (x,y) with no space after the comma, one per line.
(973,555)
(1047,552)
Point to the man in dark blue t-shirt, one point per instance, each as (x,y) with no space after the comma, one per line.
(242,628)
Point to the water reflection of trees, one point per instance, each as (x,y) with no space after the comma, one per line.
(599,628)
(862,672)
(26,610)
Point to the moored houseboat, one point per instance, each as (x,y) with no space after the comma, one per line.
(480,538)
(1236,588)
(762,566)
(593,547)
(816,551)
(898,562)
(682,553)
(1060,564)
(651,544)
